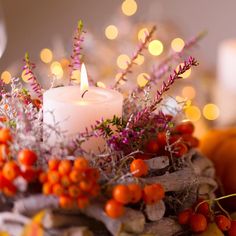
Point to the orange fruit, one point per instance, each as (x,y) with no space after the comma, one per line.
(57,189)
(53,177)
(47,188)
(122,194)
(5,135)
(135,192)
(74,191)
(66,202)
(10,170)
(138,168)
(53,164)
(198,223)
(64,167)
(82,202)
(153,193)
(81,163)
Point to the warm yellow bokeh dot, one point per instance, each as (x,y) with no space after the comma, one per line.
(56,69)
(111,32)
(177,44)
(122,61)
(6,77)
(129,7)
(139,60)
(46,55)
(186,74)
(142,34)
(189,92)
(155,47)
(65,63)
(193,113)
(100,84)
(75,76)
(142,79)
(211,111)
(25,77)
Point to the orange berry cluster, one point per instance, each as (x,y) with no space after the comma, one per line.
(198,217)
(131,194)
(10,170)
(74,183)
(157,145)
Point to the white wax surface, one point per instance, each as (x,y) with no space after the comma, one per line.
(74,113)
(226,69)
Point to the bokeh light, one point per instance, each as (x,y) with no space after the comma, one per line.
(189,92)
(142,79)
(25,77)
(46,55)
(6,77)
(100,84)
(142,34)
(111,32)
(117,78)
(139,60)
(177,44)
(129,7)
(193,113)
(56,69)
(211,111)
(186,74)
(155,47)
(65,63)
(122,61)
(75,76)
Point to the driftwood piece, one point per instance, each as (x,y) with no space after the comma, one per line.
(33,204)
(157,163)
(155,211)
(77,231)
(163,227)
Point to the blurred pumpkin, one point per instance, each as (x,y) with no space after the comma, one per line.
(219,145)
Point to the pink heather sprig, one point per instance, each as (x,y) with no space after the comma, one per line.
(138,52)
(28,70)
(76,54)
(143,115)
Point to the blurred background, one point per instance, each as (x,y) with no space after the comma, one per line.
(45,30)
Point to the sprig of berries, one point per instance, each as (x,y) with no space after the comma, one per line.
(74,183)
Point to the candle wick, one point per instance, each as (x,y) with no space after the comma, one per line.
(84,93)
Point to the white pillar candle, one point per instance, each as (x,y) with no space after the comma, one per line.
(74,112)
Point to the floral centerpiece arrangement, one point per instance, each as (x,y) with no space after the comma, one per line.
(147,178)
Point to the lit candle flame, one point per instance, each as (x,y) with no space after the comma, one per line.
(84,85)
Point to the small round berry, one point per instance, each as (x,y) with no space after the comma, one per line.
(232,230)
(184,216)
(152,146)
(66,202)
(153,193)
(74,191)
(161,139)
(135,192)
(122,194)
(185,128)
(53,177)
(81,163)
(64,167)
(138,168)
(11,170)
(30,174)
(47,188)
(82,202)
(53,164)
(5,135)
(203,208)
(65,181)
(223,222)
(76,176)
(27,157)
(198,223)
(114,209)
(190,140)
(57,189)
(4,182)
(43,177)
(180,149)
(86,185)
(95,190)
(10,190)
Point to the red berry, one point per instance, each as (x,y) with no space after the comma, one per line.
(161,139)
(190,140)
(232,230)
(138,168)
(27,157)
(203,208)
(185,128)
(198,223)
(136,192)
(184,216)
(122,194)
(180,149)
(152,146)
(223,222)
(153,193)
(114,209)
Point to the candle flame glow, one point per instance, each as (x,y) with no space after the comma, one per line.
(84,85)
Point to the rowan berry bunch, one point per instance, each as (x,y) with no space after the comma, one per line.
(74,183)
(201,214)
(131,194)
(178,140)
